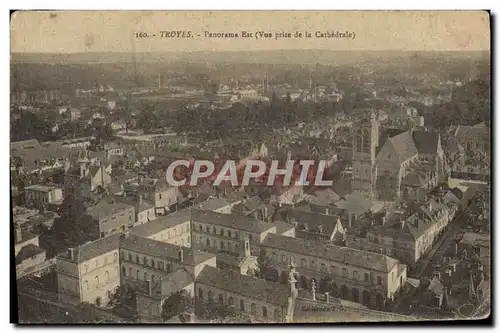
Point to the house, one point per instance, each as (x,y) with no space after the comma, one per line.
(85,179)
(24,237)
(39,196)
(29,256)
(112,216)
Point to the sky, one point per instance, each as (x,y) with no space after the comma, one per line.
(114,31)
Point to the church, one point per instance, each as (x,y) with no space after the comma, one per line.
(392,163)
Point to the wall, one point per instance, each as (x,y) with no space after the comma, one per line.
(106,268)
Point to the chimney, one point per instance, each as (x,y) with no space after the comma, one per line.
(248,251)
(265,213)
(327,211)
(19,234)
(327,297)
(71,252)
(384,220)
(82,169)
(402,224)
(181,255)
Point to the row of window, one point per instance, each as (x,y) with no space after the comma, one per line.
(242,305)
(219,231)
(96,280)
(96,262)
(323,268)
(142,276)
(158,264)
(221,245)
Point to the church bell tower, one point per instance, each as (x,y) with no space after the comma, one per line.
(364,150)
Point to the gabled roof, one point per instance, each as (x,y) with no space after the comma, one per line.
(256,289)
(27,252)
(234,221)
(404,146)
(426,142)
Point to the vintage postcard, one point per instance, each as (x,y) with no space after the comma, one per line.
(250,166)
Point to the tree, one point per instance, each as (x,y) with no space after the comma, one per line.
(264,266)
(123,302)
(176,304)
(74,227)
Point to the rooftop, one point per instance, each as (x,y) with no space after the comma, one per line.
(235,221)
(350,256)
(257,289)
(161,223)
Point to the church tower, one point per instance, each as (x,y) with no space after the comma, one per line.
(364,150)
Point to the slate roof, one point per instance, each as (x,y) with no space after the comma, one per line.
(161,223)
(426,142)
(175,281)
(404,146)
(257,289)
(468,132)
(163,250)
(249,205)
(350,256)
(235,221)
(311,219)
(106,208)
(96,248)
(27,252)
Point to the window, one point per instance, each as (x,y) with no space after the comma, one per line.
(276,314)
(222,232)
(169,267)
(355,275)
(222,245)
(275,256)
(86,285)
(313,264)
(283,258)
(200,293)
(242,305)
(249,238)
(253,308)
(264,312)
(96,280)
(210,296)
(130,271)
(214,230)
(208,242)
(379,280)
(206,229)
(230,234)
(137,259)
(107,276)
(138,275)
(115,256)
(152,263)
(344,272)
(86,268)
(124,271)
(236,234)
(145,260)
(230,301)
(129,257)
(200,227)
(153,278)
(96,263)
(333,269)
(221,299)
(323,267)
(159,196)
(302,262)
(367,277)
(146,275)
